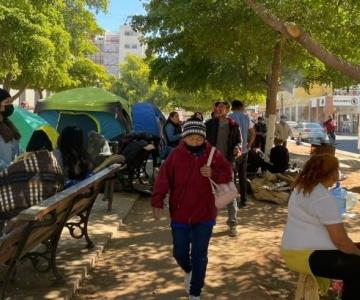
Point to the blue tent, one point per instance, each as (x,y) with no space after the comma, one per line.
(146,117)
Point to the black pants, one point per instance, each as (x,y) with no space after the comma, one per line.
(241,166)
(260,142)
(335,264)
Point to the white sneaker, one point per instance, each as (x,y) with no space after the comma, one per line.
(194,297)
(187,282)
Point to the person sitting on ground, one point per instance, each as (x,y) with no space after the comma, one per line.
(260,129)
(184,175)
(9,135)
(39,141)
(72,155)
(279,158)
(315,240)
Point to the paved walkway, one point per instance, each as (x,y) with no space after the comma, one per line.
(74,260)
(139,265)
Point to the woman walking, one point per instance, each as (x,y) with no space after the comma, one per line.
(192,206)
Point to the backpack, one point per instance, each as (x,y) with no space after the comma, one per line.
(29,181)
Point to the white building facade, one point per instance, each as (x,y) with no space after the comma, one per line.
(115,46)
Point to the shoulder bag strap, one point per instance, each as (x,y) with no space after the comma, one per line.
(211,155)
(210,158)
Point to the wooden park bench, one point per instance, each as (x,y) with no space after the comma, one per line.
(35,232)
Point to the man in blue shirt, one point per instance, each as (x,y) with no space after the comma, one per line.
(248,137)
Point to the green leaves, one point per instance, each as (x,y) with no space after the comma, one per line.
(223,45)
(44,44)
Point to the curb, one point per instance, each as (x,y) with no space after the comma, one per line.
(342,152)
(74,281)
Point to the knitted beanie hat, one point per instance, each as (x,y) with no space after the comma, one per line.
(194,126)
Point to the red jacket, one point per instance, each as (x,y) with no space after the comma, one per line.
(330,125)
(191,200)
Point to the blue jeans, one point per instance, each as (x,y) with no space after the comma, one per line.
(198,236)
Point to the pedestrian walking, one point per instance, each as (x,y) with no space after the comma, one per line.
(282,130)
(246,127)
(185,176)
(330,126)
(224,134)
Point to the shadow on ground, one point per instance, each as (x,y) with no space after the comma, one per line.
(139,263)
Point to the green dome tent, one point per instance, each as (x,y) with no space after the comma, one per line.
(89,108)
(27,122)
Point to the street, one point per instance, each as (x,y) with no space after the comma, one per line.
(347,143)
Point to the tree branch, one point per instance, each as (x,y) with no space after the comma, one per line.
(291,30)
(18,93)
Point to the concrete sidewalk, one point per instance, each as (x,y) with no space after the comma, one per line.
(74,260)
(349,164)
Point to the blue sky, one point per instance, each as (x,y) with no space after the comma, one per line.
(118,12)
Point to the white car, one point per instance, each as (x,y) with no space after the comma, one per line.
(309,132)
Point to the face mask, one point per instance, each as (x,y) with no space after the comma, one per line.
(195,149)
(9,109)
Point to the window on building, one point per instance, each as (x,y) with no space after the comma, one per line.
(134,46)
(127,46)
(128,33)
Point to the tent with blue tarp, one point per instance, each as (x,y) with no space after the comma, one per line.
(146,117)
(88,108)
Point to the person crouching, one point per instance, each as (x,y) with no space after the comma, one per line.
(192,205)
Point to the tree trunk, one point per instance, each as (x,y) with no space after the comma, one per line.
(18,93)
(40,92)
(7,82)
(295,32)
(273,87)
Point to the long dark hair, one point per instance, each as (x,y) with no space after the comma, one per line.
(39,141)
(171,115)
(8,130)
(76,159)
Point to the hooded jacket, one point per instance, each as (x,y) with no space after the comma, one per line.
(191,199)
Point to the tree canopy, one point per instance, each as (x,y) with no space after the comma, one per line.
(225,45)
(136,85)
(44,44)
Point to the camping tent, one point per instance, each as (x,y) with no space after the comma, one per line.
(146,117)
(90,109)
(27,122)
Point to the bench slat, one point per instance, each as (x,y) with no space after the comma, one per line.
(37,212)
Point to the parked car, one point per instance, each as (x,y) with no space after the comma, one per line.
(309,132)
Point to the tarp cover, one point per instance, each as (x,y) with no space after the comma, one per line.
(146,117)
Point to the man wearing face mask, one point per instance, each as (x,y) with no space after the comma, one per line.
(9,135)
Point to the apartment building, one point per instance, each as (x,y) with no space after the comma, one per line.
(115,46)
